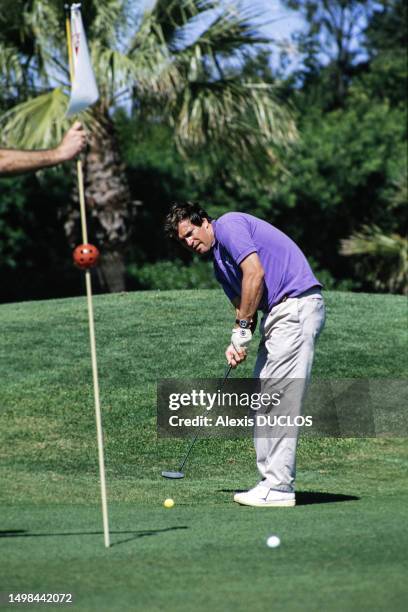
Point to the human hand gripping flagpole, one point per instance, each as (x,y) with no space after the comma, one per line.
(84,92)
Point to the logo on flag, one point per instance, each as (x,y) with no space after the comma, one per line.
(84,90)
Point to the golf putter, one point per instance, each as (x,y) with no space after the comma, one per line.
(180,473)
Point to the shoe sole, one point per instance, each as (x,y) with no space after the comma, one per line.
(290,503)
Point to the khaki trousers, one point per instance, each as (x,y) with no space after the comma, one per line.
(289,333)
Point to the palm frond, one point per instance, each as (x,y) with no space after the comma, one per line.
(244,113)
(227,33)
(36,123)
(111,22)
(206,107)
(113,71)
(186,88)
(371,240)
(400,184)
(172,15)
(10,65)
(43,19)
(155,72)
(386,256)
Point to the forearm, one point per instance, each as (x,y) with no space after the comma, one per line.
(251,294)
(15,162)
(246,306)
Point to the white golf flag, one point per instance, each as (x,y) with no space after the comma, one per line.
(84,91)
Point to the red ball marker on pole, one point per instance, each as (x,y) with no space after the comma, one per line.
(85,256)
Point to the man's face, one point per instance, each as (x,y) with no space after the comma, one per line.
(195,238)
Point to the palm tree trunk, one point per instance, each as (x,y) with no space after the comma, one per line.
(110,209)
(111,271)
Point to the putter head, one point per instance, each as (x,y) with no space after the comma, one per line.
(172,475)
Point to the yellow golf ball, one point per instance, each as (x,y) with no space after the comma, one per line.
(168,503)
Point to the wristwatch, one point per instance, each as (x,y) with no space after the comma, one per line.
(244,323)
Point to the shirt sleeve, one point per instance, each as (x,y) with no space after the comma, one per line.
(234,234)
(229,292)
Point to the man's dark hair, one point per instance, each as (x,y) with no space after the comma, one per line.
(181,211)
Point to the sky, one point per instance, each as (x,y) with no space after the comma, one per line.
(278,23)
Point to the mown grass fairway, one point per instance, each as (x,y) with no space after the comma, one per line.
(343,547)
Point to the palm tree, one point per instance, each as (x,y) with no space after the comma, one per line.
(383,257)
(177,62)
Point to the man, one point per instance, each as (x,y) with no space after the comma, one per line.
(13,161)
(260,268)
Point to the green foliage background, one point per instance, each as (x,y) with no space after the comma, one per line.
(349,169)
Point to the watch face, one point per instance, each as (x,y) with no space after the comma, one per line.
(244,324)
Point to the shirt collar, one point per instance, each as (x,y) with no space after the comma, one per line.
(214,226)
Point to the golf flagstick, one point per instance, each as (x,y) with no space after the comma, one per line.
(98,416)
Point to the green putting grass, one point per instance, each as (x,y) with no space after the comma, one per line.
(343,547)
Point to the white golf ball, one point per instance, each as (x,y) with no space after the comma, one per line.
(273,541)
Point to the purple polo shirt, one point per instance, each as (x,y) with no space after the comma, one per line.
(287,272)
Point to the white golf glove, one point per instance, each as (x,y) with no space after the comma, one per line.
(241,338)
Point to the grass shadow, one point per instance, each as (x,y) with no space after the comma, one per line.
(23,533)
(306,498)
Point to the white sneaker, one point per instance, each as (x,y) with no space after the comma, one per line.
(261,496)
